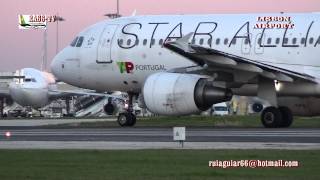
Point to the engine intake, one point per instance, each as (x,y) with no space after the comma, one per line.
(109,108)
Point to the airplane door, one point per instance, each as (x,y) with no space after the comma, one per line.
(105,44)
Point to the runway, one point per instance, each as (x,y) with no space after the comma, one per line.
(159,138)
(165,135)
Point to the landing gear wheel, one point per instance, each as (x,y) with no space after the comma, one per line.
(133,119)
(126,119)
(287,117)
(271,117)
(122,119)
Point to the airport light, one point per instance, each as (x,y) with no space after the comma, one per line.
(8,134)
(57,19)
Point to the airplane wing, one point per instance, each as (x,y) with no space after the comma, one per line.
(12,77)
(211,60)
(55,94)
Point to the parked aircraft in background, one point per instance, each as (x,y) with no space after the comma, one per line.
(36,89)
(183,64)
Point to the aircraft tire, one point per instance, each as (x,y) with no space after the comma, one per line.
(287,117)
(271,117)
(132,120)
(126,119)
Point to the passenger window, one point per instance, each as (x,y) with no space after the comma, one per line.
(294,41)
(285,41)
(145,41)
(160,42)
(153,41)
(74,42)
(246,41)
(218,41)
(128,42)
(278,41)
(120,42)
(226,41)
(79,43)
(269,41)
(193,41)
(137,42)
(209,41)
(234,41)
(303,40)
(259,41)
(310,40)
(201,41)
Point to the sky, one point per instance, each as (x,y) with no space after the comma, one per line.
(24,48)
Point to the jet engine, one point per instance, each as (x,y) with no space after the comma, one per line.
(257,107)
(110,107)
(181,94)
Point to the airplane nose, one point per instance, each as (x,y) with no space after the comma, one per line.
(56,65)
(65,66)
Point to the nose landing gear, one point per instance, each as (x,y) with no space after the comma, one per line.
(128,118)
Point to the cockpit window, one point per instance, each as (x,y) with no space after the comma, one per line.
(74,42)
(80,40)
(29,80)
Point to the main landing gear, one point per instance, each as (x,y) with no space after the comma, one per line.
(273,117)
(128,118)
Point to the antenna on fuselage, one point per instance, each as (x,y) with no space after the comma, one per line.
(114,15)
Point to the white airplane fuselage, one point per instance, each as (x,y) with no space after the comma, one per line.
(120,54)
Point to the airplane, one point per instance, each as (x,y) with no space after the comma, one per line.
(183,64)
(36,89)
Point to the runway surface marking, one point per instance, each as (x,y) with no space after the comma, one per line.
(153,145)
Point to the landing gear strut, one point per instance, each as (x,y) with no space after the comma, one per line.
(128,118)
(1,107)
(273,117)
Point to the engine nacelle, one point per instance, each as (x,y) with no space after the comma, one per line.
(110,107)
(181,94)
(257,107)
